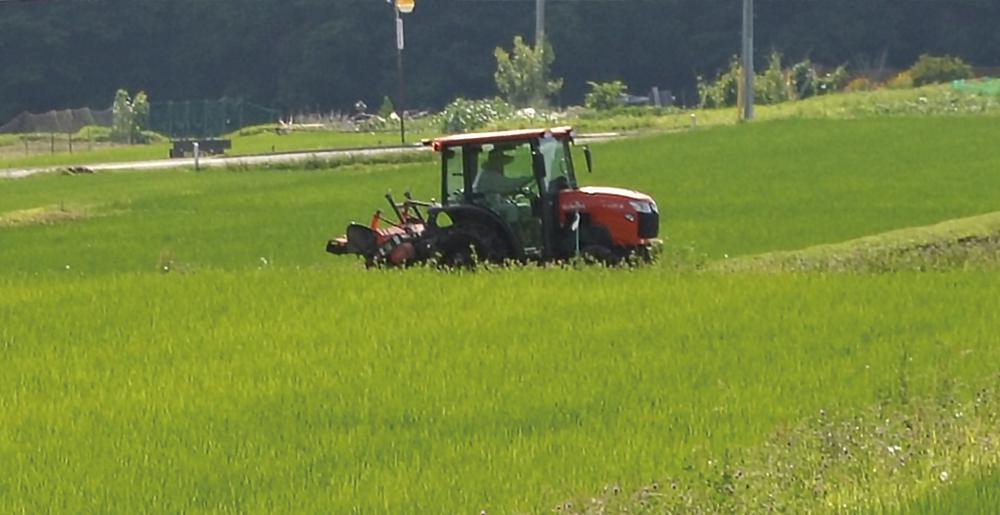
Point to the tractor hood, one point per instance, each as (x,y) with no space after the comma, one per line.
(617,192)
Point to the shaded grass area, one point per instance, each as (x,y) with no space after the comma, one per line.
(961,243)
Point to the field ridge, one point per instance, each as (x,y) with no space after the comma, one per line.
(970,241)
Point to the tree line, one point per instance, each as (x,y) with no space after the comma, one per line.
(328,54)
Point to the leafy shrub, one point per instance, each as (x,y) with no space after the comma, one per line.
(930,70)
(387,108)
(806,82)
(724,91)
(129,117)
(860,84)
(901,81)
(467,115)
(604,96)
(377,123)
(802,79)
(832,82)
(771,87)
(95,133)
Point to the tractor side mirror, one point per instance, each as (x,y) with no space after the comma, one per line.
(590,158)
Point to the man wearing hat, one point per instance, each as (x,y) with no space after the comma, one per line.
(491,178)
(499,190)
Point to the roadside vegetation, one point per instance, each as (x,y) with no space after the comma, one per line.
(796,92)
(179,341)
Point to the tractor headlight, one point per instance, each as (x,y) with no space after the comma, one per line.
(643,206)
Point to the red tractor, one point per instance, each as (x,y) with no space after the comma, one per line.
(509,195)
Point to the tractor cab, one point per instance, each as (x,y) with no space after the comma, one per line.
(514,175)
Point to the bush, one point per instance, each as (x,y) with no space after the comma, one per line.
(387,108)
(930,70)
(129,117)
(802,80)
(771,87)
(901,81)
(860,84)
(467,115)
(832,82)
(723,92)
(604,96)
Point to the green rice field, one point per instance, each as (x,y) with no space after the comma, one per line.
(179,342)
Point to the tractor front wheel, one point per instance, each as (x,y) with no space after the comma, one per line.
(599,254)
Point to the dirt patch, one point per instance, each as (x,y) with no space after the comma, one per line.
(46,215)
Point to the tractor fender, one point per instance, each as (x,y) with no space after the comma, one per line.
(482,216)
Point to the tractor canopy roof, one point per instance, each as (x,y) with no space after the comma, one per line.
(443,142)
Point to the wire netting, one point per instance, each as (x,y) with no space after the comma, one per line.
(66,121)
(177,119)
(206,118)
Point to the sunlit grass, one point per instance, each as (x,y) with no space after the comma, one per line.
(420,391)
(199,352)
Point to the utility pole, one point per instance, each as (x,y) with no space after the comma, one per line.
(540,42)
(748,73)
(401,96)
(539,22)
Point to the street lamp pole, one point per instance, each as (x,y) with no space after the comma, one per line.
(405,7)
(401,96)
(748,72)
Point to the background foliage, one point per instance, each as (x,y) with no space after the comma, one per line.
(312,54)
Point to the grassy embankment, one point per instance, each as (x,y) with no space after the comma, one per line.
(247,142)
(928,100)
(261,376)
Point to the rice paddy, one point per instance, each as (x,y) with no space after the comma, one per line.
(188,347)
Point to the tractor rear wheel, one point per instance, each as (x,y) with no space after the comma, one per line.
(467,243)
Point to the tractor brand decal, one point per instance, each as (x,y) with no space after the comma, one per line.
(576,206)
(612,205)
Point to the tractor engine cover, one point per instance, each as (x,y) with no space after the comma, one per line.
(631,218)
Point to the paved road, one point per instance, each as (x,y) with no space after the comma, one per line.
(216,161)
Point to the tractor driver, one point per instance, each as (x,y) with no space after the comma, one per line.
(491,178)
(500,194)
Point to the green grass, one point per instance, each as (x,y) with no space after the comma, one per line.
(976,495)
(255,143)
(729,191)
(259,375)
(298,391)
